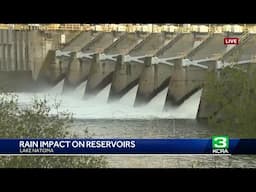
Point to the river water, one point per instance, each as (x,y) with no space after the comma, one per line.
(96,118)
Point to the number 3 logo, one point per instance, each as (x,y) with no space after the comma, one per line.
(220,142)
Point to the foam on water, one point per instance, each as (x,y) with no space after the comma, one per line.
(97,107)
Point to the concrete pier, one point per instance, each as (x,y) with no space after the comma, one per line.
(129,68)
(92,68)
(185,81)
(153,80)
(101,72)
(156,77)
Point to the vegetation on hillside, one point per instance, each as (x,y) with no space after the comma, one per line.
(40,120)
(232,92)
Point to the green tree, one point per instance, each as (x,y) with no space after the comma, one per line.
(40,120)
(233,91)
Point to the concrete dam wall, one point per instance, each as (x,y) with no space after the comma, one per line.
(179,62)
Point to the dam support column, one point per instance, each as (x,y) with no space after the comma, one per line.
(153,80)
(125,77)
(186,80)
(73,77)
(100,75)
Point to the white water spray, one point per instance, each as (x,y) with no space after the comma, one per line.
(97,107)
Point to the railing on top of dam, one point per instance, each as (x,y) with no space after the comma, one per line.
(149,28)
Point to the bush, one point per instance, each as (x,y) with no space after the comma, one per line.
(233,94)
(39,120)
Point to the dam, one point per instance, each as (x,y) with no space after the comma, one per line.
(145,70)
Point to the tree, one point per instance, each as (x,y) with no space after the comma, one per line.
(233,94)
(39,121)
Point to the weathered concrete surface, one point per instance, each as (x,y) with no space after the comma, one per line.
(94,71)
(31,54)
(14,51)
(101,73)
(156,77)
(181,45)
(39,51)
(125,77)
(17,81)
(153,80)
(125,43)
(98,45)
(25,50)
(245,51)
(127,74)
(184,82)
(212,47)
(100,76)
(74,75)
(151,45)
(52,71)
(80,41)
(101,42)
(77,71)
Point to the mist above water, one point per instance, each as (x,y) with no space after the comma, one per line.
(98,108)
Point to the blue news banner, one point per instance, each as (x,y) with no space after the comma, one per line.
(214,145)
